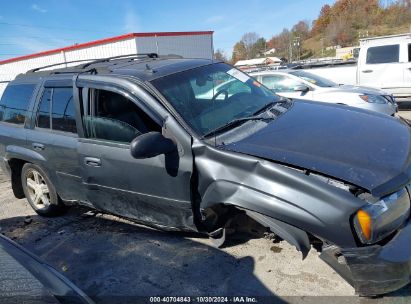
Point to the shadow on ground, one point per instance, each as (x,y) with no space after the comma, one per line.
(107,257)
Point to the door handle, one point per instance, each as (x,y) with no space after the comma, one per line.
(92,161)
(38,147)
(367,71)
(409,68)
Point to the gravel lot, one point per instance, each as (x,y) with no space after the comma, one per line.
(107,256)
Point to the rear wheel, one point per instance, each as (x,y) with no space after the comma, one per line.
(40,192)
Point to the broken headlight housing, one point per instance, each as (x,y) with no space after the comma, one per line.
(376,220)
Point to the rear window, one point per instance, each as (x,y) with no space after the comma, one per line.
(383,54)
(14,103)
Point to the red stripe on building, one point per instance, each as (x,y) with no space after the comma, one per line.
(104,41)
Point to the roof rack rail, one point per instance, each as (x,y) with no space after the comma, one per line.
(93,61)
(131,56)
(55,64)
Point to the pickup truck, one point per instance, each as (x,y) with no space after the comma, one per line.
(383,63)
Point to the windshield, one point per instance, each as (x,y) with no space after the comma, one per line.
(212,96)
(314,79)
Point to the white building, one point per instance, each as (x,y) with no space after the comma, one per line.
(186,44)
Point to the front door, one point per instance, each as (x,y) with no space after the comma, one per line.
(155,191)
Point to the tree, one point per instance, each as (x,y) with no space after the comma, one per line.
(281,43)
(249,40)
(323,20)
(219,54)
(259,47)
(239,52)
(301,29)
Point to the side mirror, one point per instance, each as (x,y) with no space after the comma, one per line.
(301,88)
(151,144)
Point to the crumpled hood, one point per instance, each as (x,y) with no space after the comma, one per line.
(362,148)
(355,89)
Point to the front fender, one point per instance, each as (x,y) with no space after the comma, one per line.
(275,191)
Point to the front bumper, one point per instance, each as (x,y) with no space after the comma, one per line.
(374,270)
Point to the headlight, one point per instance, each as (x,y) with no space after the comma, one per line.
(377,220)
(373,98)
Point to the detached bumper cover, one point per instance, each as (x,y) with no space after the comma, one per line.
(374,270)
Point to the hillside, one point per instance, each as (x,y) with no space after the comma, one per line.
(342,24)
(314,43)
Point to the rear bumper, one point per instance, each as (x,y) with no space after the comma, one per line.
(374,270)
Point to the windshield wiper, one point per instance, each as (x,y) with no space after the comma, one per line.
(235,122)
(265,107)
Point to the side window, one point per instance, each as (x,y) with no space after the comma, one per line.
(409,52)
(383,54)
(56,110)
(279,83)
(14,103)
(43,114)
(113,117)
(63,116)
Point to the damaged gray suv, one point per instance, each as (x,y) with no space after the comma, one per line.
(137,136)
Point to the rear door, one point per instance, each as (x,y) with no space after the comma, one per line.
(380,67)
(155,191)
(53,135)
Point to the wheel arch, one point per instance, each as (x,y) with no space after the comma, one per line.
(258,206)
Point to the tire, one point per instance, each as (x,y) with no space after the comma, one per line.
(40,192)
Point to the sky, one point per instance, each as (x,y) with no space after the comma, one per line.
(32,26)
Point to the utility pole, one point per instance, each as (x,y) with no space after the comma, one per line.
(322,47)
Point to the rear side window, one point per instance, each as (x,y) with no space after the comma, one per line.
(43,115)
(63,116)
(383,54)
(56,110)
(14,103)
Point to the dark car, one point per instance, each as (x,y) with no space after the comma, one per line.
(132,137)
(27,279)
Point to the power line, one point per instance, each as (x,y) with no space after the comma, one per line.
(53,27)
(40,37)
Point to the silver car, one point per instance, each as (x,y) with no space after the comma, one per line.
(304,85)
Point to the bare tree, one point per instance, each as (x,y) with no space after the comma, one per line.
(249,39)
(219,54)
